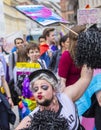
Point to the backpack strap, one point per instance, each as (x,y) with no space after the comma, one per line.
(13,60)
(41,62)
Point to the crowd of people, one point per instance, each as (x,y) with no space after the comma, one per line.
(49,77)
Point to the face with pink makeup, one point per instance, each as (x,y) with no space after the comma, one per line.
(43,92)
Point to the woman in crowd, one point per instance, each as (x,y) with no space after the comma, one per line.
(68,72)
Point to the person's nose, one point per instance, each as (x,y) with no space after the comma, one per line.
(39,90)
(20,44)
(34,53)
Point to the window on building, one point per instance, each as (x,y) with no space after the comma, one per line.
(70,7)
(71,17)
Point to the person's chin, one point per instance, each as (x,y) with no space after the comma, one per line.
(45,103)
(40,102)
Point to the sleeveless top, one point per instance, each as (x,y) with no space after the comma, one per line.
(68,111)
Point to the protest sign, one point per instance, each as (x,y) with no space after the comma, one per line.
(40,14)
(88,16)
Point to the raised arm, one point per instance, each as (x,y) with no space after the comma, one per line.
(76,90)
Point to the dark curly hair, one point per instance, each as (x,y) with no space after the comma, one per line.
(88,49)
(47,120)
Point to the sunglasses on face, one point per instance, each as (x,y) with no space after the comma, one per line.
(36,88)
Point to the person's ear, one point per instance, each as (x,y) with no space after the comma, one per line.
(28,54)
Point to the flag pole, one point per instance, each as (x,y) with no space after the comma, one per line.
(69,29)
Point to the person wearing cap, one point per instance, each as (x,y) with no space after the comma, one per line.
(45,88)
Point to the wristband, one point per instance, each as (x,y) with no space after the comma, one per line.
(8,98)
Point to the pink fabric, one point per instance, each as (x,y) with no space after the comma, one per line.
(96,71)
(88,123)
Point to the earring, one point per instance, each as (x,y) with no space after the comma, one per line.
(54,101)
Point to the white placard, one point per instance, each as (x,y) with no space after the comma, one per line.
(88,16)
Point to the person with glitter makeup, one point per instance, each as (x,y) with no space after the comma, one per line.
(45,87)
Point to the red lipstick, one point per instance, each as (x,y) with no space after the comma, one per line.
(40,97)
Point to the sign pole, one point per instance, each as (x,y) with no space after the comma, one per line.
(69,29)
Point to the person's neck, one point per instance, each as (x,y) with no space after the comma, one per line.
(63,49)
(48,42)
(33,61)
(54,106)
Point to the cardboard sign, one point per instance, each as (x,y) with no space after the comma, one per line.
(88,16)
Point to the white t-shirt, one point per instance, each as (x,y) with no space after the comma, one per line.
(26,70)
(68,111)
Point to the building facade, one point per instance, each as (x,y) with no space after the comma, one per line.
(13,20)
(69,10)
